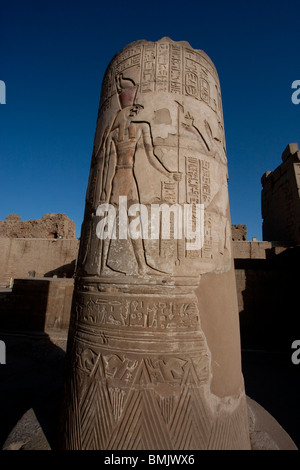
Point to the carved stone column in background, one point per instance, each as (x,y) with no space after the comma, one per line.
(154,349)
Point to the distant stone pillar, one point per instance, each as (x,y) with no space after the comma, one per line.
(154,350)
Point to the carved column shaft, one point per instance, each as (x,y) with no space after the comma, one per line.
(154,354)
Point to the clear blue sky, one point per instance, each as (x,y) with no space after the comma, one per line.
(53,58)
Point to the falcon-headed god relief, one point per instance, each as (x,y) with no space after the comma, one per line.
(119,178)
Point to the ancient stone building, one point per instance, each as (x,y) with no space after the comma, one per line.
(239,232)
(281,199)
(266,279)
(37,260)
(45,247)
(267,271)
(49,226)
(154,351)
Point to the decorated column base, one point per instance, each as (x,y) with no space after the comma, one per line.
(141,372)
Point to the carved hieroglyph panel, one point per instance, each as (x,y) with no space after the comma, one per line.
(160,116)
(146,312)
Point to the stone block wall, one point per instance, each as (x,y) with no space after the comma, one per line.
(281,199)
(267,291)
(39,304)
(46,257)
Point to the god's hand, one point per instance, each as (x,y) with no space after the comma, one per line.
(176,176)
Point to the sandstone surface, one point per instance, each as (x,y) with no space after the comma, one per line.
(51,225)
(154,349)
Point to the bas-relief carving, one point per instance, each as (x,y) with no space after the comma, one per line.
(119,163)
(165,67)
(151,312)
(140,356)
(122,369)
(167,393)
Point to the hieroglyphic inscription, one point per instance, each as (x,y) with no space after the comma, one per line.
(176,69)
(205,199)
(169,195)
(127,59)
(198,191)
(129,312)
(192,181)
(148,69)
(192,194)
(117,367)
(197,78)
(107,91)
(204,90)
(207,246)
(205,181)
(197,61)
(169,192)
(162,67)
(191,83)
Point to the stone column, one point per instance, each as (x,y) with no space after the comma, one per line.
(154,350)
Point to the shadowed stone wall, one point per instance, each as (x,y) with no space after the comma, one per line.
(18,256)
(45,246)
(281,199)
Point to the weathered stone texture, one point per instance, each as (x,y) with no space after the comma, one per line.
(51,225)
(239,232)
(266,279)
(250,250)
(154,348)
(281,199)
